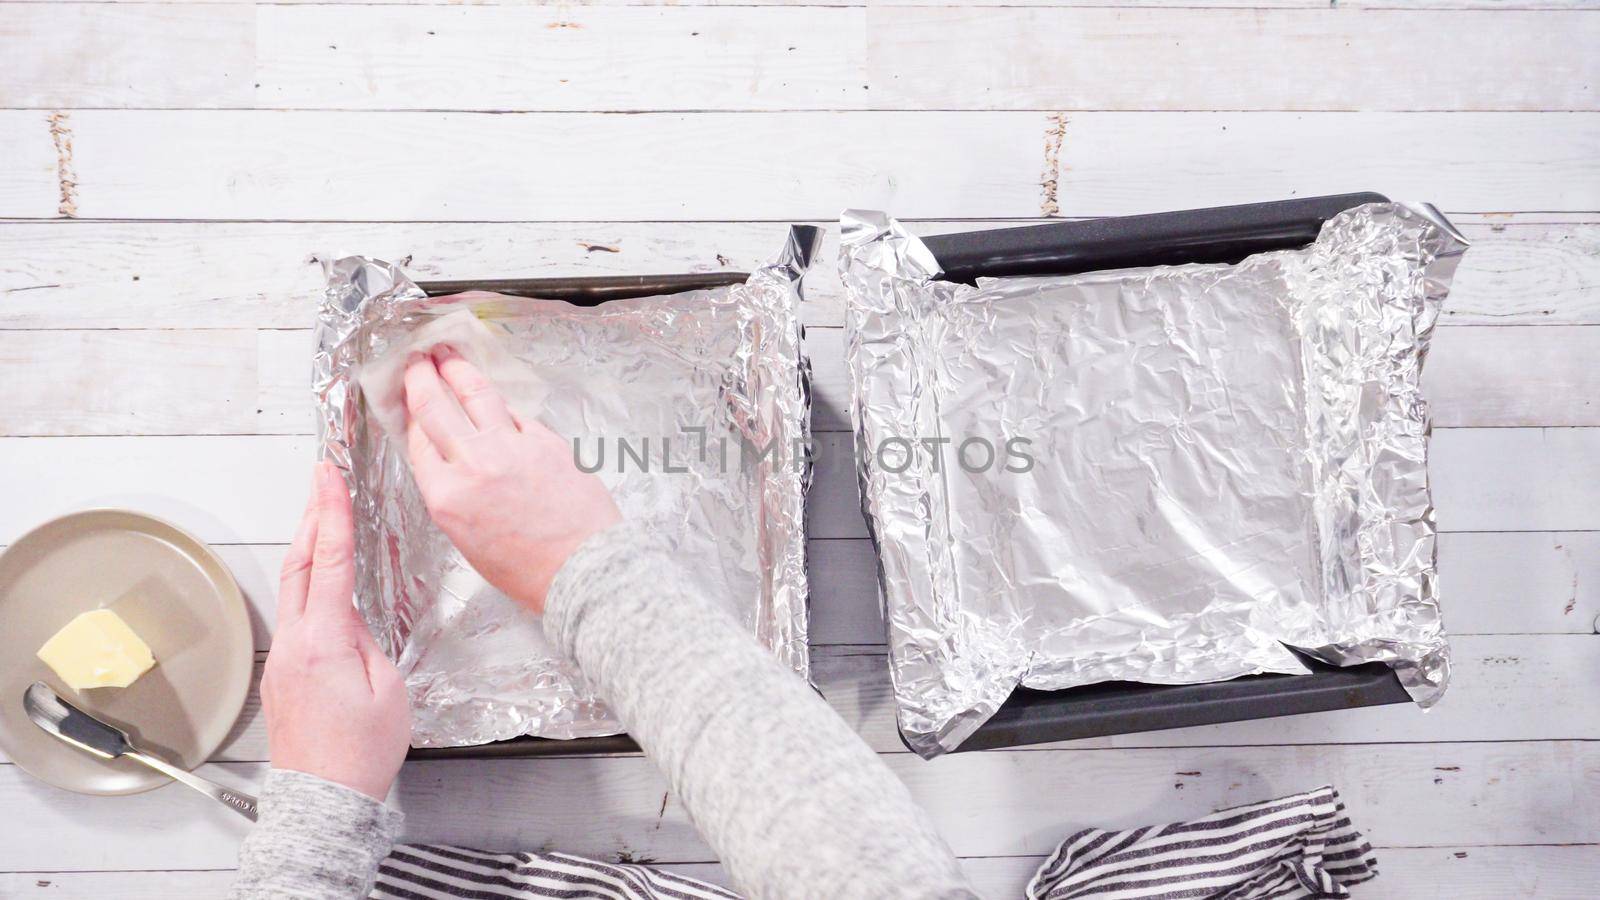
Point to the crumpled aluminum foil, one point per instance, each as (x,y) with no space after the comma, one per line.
(1226,461)
(687,380)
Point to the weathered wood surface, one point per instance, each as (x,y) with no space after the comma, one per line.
(451,166)
(1011,802)
(239,381)
(231,489)
(1423,873)
(1523,269)
(576,58)
(172,172)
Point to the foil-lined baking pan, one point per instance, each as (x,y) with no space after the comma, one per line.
(688,395)
(1169,475)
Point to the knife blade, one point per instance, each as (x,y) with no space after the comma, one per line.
(82,730)
(49,711)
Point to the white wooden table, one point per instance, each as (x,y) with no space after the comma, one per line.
(170,173)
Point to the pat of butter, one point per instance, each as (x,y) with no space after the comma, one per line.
(97,649)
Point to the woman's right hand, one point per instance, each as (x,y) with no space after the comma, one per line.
(505,491)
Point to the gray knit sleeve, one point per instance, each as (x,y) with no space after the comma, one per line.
(315,840)
(786,793)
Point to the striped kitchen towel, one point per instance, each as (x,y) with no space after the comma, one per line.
(427,873)
(1295,847)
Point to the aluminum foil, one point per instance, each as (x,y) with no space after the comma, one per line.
(1190,469)
(699,403)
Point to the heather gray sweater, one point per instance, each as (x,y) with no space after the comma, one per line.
(789,797)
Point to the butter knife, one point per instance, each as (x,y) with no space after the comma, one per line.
(76,727)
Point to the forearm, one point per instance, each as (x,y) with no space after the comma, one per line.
(315,840)
(786,793)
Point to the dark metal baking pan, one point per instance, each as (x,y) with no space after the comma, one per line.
(581,292)
(1221,234)
(588,291)
(1225,234)
(1121,707)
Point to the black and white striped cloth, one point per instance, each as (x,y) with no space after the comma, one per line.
(1293,848)
(428,873)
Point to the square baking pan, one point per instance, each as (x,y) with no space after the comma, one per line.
(1218,235)
(579,292)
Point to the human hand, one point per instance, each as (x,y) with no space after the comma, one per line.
(504,490)
(336,707)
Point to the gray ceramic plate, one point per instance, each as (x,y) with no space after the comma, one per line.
(174,592)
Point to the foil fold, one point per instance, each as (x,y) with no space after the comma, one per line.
(1215,466)
(653,392)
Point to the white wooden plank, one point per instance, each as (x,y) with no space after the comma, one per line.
(1494,583)
(1530,582)
(584,166)
(1166,4)
(29,184)
(801,57)
(234,381)
(1516,479)
(248,489)
(283,399)
(147,885)
(1009,802)
(231,490)
(425,55)
(1504,688)
(1105,59)
(1501,377)
(1121,163)
(563,58)
(1423,873)
(130,382)
(162,54)
(1527,275)
(449,166)
(266,275)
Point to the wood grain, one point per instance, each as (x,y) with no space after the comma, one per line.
(162,54)
(236,381)
(1504,688)
(30,183)
(1519,271)
(181,311)
(248,489)
(160,164)
(1222,158)
(1264,5)
(522,58)
(1125,59)
(1493,583)
(1429,873)
(1012,802)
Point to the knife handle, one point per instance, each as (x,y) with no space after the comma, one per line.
(239,802)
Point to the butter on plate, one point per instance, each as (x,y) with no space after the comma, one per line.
(97,649)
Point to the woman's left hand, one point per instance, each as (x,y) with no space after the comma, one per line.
(336,707)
